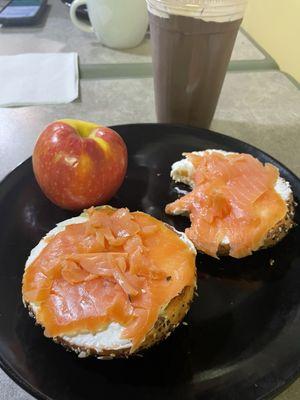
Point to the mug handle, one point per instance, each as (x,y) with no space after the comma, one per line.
(81,25)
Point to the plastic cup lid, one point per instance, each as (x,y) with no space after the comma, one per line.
(208,10)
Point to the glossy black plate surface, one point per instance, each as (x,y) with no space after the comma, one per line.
(242,340)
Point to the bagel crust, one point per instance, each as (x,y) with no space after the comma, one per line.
(169,318)
(181,172)
(277,233)
(167,321)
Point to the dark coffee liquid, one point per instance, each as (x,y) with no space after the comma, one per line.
(190,59)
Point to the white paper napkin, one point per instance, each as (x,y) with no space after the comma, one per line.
(32,79)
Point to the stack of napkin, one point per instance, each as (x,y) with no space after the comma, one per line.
(32,79)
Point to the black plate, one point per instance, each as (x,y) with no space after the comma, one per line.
(242,337)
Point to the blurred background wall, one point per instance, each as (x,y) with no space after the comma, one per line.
(275,25)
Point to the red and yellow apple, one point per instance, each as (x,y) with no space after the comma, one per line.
(79,164)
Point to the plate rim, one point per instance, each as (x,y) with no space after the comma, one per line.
(36,393)
(225,136)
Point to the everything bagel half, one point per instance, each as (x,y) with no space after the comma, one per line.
(110,282)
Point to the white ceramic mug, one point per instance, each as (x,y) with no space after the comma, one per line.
(117,23)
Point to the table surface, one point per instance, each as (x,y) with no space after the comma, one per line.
(258,104)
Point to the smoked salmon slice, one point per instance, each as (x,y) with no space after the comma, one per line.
(233,201)
(117,266)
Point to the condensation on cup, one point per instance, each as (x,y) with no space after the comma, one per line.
(192,42)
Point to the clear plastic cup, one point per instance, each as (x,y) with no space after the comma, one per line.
(192,42)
